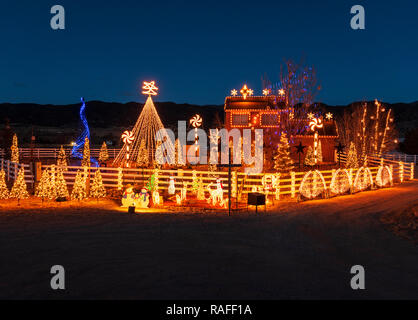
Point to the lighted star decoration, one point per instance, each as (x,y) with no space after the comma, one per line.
(266,92)
(149,88)
(328,116)
(246,92)
(315,123)
(311,115)
(234,92)
(281,92)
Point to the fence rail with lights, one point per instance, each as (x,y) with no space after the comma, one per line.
(39,153)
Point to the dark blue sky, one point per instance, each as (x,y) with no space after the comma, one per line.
(198,51)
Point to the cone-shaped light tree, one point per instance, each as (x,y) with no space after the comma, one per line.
(4,192)
(282,160)
(104,154)
(97,189)
(86,153)
(149,129)
(15,150)
(309,157)
(19,189)
(52,187)
(61,185)
(79,188)
(319,152)
(42,189)
(62,158)
(352,161)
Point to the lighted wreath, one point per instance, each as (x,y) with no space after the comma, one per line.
(363,179)
(340,182)
(384,176)
(312,185)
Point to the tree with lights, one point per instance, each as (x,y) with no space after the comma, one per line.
(61,185)
(319,152)
(195,182)
(86,153)
(103,155)
(42,189)
(79,188)
(97,189)
(62,158)
(142,159)
(370,126)
(178,155)
(52,187)
(282,160)
(309,157)
(4,192)
(15,150)
(352,161)
(19,189)
(200,190)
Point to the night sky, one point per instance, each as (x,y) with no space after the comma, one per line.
(197,51)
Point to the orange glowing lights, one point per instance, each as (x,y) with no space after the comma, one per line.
(246,92)
(149,88)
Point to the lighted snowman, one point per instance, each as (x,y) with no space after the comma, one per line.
(128,197)
(171,186)
(142,199)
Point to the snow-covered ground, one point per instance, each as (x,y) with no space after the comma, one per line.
(298,250)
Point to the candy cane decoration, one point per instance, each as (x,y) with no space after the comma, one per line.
(127,138)
(313,124)
(196,122)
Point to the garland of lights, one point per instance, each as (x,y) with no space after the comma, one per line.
(340,182)
(312,185)
(364,179)
(384,176)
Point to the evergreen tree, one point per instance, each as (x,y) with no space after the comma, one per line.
(200,190)
(195,182)
(4,192)
(142,159)
(19,190)
(79,187)
(352,161)
(97,189)
(42,189)
(15,150)
(61,185)
(282,160)
(62,158)
(86,153)
(104,154)
(178,157)
(310,157)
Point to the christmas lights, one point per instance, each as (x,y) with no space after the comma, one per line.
(79,187)
(312,185)
(340,182)
(149,88)
(97,189)
(15,150)
(384,176)
(19,189)
(234,92)
(62,159)
(363,180)
(4,192)
(103,155)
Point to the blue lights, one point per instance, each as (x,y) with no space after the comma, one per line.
(77,151)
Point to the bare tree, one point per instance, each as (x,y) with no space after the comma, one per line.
(370,126)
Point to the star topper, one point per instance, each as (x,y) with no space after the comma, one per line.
(149,88)
(246,92)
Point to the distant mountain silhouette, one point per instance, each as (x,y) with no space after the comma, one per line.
(108,115)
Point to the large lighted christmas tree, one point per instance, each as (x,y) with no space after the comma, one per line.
(97,189)
(147,128)
(19,189)
(282,160)
(62,158)
(15,150)
(4,192)
(42,189)
(79,188)
(352,161)
(52,187)
(61,185)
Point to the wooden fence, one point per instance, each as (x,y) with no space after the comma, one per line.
(11,170)
(39,153)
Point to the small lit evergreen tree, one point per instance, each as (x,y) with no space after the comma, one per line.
(352,161)
(142,159)
(319,152)
(61,185)
(86,154)
(282,160)
(15,150)
(178,157)
(52,187)
(309,157)
(42,189)
(97,189)
(200,190)
(79,187)
(4,192)
(104,154)
(62,158)
(19,189)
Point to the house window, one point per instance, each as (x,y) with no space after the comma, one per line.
(240,119)
(270,119)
